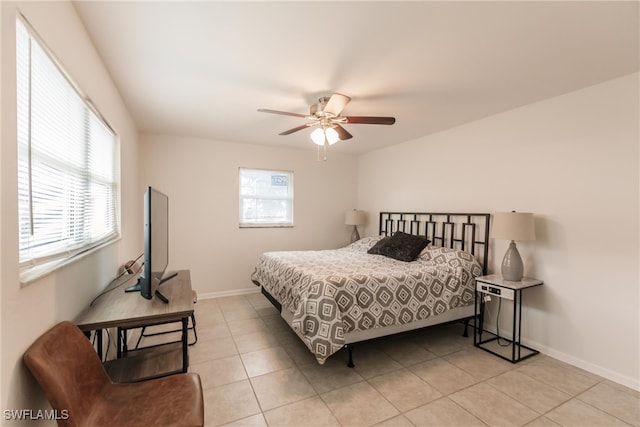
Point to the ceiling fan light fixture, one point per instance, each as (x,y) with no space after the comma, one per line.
(332,136)
(318,137)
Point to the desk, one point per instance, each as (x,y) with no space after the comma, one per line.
(117,309)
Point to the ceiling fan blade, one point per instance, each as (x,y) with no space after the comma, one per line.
(336,103)
(296,129)
(284,113)
(342,133)
(371,120)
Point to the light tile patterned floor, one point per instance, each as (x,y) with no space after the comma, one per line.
(256,372)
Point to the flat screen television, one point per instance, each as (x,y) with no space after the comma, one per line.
(156,245)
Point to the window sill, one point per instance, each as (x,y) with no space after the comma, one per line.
(31,273)
(265,225)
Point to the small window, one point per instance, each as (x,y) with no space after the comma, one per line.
(67,164)
(266,198)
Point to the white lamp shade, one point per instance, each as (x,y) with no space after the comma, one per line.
(513,226)
(354,217)
(317,136)
(332,136)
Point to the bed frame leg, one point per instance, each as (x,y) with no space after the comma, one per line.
(466,326)
(350,362)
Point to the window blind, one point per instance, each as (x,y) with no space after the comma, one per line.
(266,198)
(67,185)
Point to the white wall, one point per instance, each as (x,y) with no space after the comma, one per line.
(573,161)
(26,312)
(201,179)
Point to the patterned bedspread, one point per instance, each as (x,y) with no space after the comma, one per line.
(331,292)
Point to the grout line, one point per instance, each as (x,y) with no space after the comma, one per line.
(443,357)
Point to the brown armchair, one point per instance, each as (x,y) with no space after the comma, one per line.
(69,371)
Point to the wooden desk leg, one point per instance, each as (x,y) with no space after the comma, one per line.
(185,344)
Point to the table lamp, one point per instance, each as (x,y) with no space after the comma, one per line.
(355,218)
(513,226)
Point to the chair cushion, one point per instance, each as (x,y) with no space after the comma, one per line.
(175,400)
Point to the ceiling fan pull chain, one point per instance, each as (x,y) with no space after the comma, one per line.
(324,158)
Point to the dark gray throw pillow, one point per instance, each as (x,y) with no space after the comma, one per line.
(375,249)
(400,246)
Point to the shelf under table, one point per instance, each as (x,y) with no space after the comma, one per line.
(146,363)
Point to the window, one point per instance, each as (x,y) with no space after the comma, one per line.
(67,163)
(266,198)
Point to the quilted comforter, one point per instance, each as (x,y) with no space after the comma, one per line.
(331,292)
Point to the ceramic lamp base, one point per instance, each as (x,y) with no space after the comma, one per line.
(355,236)
(512,267)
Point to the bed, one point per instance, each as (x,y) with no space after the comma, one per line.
(340,297)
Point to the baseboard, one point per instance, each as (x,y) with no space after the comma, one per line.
(235,292)
(616,377)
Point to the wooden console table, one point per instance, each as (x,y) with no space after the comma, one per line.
(124,311)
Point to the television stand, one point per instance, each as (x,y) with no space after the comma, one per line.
(134,288)
(158,294)
(161,297)
(169,277)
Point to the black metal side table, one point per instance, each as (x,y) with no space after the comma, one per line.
(494,285)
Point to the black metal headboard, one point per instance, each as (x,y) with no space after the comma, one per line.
(465,231)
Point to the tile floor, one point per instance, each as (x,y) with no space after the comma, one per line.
(256,372)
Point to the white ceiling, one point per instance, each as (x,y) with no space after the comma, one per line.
(203,68)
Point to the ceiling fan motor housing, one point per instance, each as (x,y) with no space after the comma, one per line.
(318,109)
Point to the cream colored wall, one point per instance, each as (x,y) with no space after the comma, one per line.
(573,161)
(1,216)
(26,312)
(201,179)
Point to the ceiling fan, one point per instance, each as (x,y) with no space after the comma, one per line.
(326,115)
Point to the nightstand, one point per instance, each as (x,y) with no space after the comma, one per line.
(495,286)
